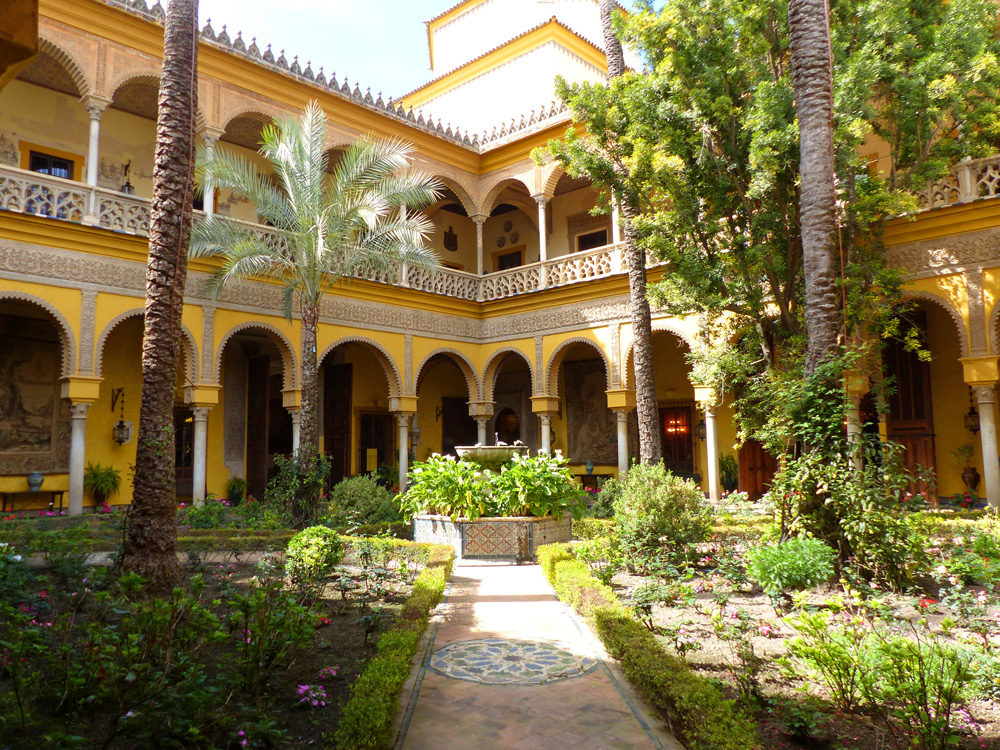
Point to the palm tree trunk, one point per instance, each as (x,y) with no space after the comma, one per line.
(309,412)
(635,261)
(812,78)
(152,525)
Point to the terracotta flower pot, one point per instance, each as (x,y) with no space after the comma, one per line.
(971,478)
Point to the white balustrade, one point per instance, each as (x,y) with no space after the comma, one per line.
(510,283)
(591,264)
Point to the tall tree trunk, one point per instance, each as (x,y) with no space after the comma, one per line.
(152,525)
(635,261)
(305,502)
(812,78)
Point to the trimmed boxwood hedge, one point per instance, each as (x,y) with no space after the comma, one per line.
(369,716)
(695,707)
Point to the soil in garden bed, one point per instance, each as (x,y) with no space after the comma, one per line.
(783,693)
(344,641)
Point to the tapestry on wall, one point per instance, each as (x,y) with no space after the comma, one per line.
(590,425)
(34,420)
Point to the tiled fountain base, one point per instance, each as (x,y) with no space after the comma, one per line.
(500,661)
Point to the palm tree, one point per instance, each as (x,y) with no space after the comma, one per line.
(152,522)
(635,260)
(328,224)
(812,78)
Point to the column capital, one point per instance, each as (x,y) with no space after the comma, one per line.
(78,409)
(95,105)
(985,394)
(543,404)
(81,388)
(856,383)
(621,398)
(479,219)
(622,414)
(481,408)
(978,371)
(210,136)
(200,413)
(403,418)
(541,198)
(202,394)
(401,404)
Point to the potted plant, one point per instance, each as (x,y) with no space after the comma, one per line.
(729,472)
(970,475)
(237,490)
(102,482)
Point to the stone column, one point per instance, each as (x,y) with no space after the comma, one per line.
(622,417)
(857,385)
(404,448)
(616,225)
(95,107)
(479,220)
(481,423)
(296,426)
(986,395)
(546,420)
(543,254)
(209,138)
(77,455)
(712,449)
(199,458)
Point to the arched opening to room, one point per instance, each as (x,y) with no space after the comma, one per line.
(511,233)
(256,367)
(128,137)
(442,420)
(34,419)
(241,137)
(454,239)
(358,430)
(509,386)
(119,358)
(573,228)
(586,430)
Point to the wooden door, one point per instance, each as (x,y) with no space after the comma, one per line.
(337,384)
(183,451)
(676,439)
(910,421)
(757,469)
(377,433)
(258,377)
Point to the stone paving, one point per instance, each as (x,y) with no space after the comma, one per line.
(509,666)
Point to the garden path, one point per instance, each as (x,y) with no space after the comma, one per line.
(509,666)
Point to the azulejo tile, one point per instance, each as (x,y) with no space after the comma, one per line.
(500,661)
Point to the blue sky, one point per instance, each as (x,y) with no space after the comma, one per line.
(378,43)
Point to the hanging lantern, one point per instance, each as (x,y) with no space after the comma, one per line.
(972,416)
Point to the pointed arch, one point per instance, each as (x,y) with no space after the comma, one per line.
(552,369)
(392,373)
(288,359)
(551,179)
(147,74)
(67,340)
(463,195)
(69,62)
(948,307)
(464,364)
(495,362)
(494,193)
(187,341)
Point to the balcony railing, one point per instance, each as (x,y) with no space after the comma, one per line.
(56,198)
(966,181)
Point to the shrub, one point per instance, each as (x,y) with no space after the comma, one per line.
(658,511)
(551,554)
(575,586)
(296,489)
(535,486)
(797,564)
(313,554)
(361,500)
(593,528)
(603,505)
(444,485)
(214,513)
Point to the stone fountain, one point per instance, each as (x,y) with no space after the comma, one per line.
(492,538)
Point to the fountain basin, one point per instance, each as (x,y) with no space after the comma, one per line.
(499,538)
(490,457)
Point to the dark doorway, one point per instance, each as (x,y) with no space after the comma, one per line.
(910,421)
(675,439)
(508,426)
(258,380)
(183,451)
(457,427)
(376,436)
(338,381)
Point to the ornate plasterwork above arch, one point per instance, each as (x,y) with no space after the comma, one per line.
(552,368)
(69,62)
(288,359)
(392,373)
(495,362)
(956,315)
(463,363)
(190,347)
(67,340)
